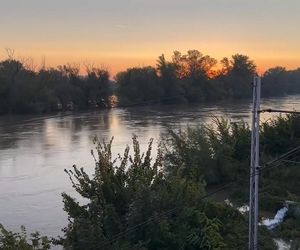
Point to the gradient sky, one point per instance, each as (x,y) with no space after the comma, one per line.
(125,33)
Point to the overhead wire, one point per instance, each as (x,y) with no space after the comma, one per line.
(281,158)
(221,188)
(290,161)
(170,211)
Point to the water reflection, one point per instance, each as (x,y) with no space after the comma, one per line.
(35,150)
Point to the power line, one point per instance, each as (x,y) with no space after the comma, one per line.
(289,161)
(274,166)
(170,211)
(221,188)
(290,152)
(254,165)
(151,218)
(269,165)
(278,160)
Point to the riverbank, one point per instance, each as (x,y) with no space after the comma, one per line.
(34,151)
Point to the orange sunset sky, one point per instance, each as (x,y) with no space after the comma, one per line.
(119,34)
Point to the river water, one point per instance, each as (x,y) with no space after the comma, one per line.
(34,151)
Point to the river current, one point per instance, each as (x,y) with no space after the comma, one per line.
(35,150)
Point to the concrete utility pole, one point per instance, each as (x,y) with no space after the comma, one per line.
(254,165)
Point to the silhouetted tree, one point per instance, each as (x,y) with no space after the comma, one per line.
(139,85)
(126,193)
(190,77)
(172,88)
(98,87)
(275,81)
(237,75)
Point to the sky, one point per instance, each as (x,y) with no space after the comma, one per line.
(118,34)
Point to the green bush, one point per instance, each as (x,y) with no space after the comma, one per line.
(20,241)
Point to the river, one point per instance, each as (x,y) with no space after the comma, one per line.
(35,150)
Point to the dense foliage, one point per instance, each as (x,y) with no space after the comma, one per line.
(20,241)
(194,77)
(23,90)
(132,205)
(191,77)
(221,154)
(135,202)
(138,201)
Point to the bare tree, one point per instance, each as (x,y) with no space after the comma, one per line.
(28,63)
(10,54)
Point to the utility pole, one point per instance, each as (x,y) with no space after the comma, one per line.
(254,165)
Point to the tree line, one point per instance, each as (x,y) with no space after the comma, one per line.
(186,78)
(162,201)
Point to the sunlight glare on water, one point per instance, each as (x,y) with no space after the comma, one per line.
(34,151)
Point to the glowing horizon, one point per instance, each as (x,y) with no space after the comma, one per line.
(119,64)
(122,34)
